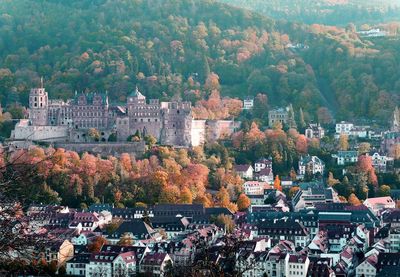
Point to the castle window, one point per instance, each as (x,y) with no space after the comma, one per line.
(177,111)
(156,120)
(149,119)
(35,104)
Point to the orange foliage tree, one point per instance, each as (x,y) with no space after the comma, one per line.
(277,183)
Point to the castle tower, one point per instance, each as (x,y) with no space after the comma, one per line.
(38,106)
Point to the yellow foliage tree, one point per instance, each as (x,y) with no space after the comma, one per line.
(243,202)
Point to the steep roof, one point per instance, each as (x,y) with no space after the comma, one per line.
(136,93)
(241,167)
(138,228)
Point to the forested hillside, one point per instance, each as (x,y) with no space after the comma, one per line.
(171,48)
(330,12)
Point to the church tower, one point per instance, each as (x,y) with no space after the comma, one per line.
(38,106)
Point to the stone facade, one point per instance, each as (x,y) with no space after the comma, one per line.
(169,122)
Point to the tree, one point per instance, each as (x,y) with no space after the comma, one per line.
(243,202)
(301,144)
(226,222)
(324,115)
(170,195)
(277,183)
(126,240)
(302,122)
(223,198)
(94,134)
(331,180)
(293,191)
(395,151)
(384,190)
(150,140)
(97,244)
(343,142)
(186,196)
(364,148)
(212,82)
(353,200)
(364,166)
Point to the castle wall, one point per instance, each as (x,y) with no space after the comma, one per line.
(24,131)
(218,129)
(198,132)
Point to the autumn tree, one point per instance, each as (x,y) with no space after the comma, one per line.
(226,222)
(277,183)
(293,191)
(364,148)
(96,244)
(243,202)
(364,166)
(125,240)
(301,144)
(343,142)
(94,134)
(186,196)
(331,180)
(384,190)
(353,200)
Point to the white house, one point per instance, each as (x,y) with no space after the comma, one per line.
(346,157)
(380,162)
(100,264)
(244,170)
(262,163)
(77,265)
(344,128)
(248,103)
(125,264)
(296,265)
(255,187)
(311,165)
(314,131)
(368,267)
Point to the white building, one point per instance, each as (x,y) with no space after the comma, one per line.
(262,163)
(255,187)
(100,264)
(314,131)
(378,204)
(380,162)
(296,265)
(125,264)
(244,170)
(77,265)
(248,103)
(368,267)
(311,165)
(344,128)
(346,157)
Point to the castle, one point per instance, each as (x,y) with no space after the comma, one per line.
(171,123)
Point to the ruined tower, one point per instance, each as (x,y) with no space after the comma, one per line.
(38,106)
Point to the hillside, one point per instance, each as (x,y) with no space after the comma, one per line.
(330,12)
(169,48)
